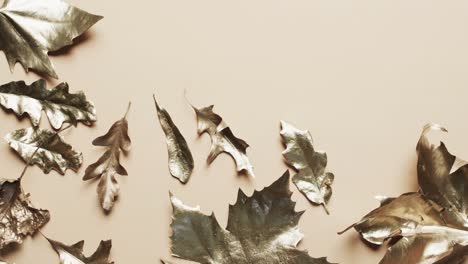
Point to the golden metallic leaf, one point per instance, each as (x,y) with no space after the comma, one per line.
(18,217)
(429,226)
(59,105)
(262,228)
(222,139)
(108,165)
(179,155)
(30,29)
(74,254)
(53,152)
(312,179)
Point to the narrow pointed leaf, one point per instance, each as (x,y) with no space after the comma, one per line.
(429,226)
(18,217)
(53,153)
(222,139)
(59,105)
(179,155)
(262,228)
(108,165)
(74,254)
(312,179)
(30,29)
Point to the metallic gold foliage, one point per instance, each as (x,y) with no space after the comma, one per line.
(59,105)
(312,179)
(18,217)
(74,254)
(262,228)
(429,226)
(30,29)
(222,139)
(179,155)
(53,153)
(108,165)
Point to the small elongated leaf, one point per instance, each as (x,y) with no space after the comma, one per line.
(108,165)
(30,29)
(53,153)
(312,179)
(179,155)
(262,228)
(18,217)
(429,226)
(59,105)
(222,139)
(74,254)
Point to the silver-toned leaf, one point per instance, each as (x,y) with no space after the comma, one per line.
(59,105)
(30,29)
(180,158)
(53,152)
(428,226)
(312,179)
(222,139)
(74,254)
(108,165)
(262,228)
(18,217)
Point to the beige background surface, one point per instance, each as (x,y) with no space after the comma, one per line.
(363,76)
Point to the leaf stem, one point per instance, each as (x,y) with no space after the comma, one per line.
(325,208)
(128,109)
(28,163)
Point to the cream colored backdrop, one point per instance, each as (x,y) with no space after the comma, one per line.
(362,76)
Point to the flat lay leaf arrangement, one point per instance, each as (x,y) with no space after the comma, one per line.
(30,29)
(429,226)
(312,179)
(261,228)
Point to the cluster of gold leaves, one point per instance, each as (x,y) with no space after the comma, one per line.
(429,226)
(28,31)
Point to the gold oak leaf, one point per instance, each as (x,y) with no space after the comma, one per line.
(30,29)
(312,179)
(429,226)
(74,254)
(18,217)
(116,139)
(180,158)
(53,153)
(262,228)
(222,139)
(59,105)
